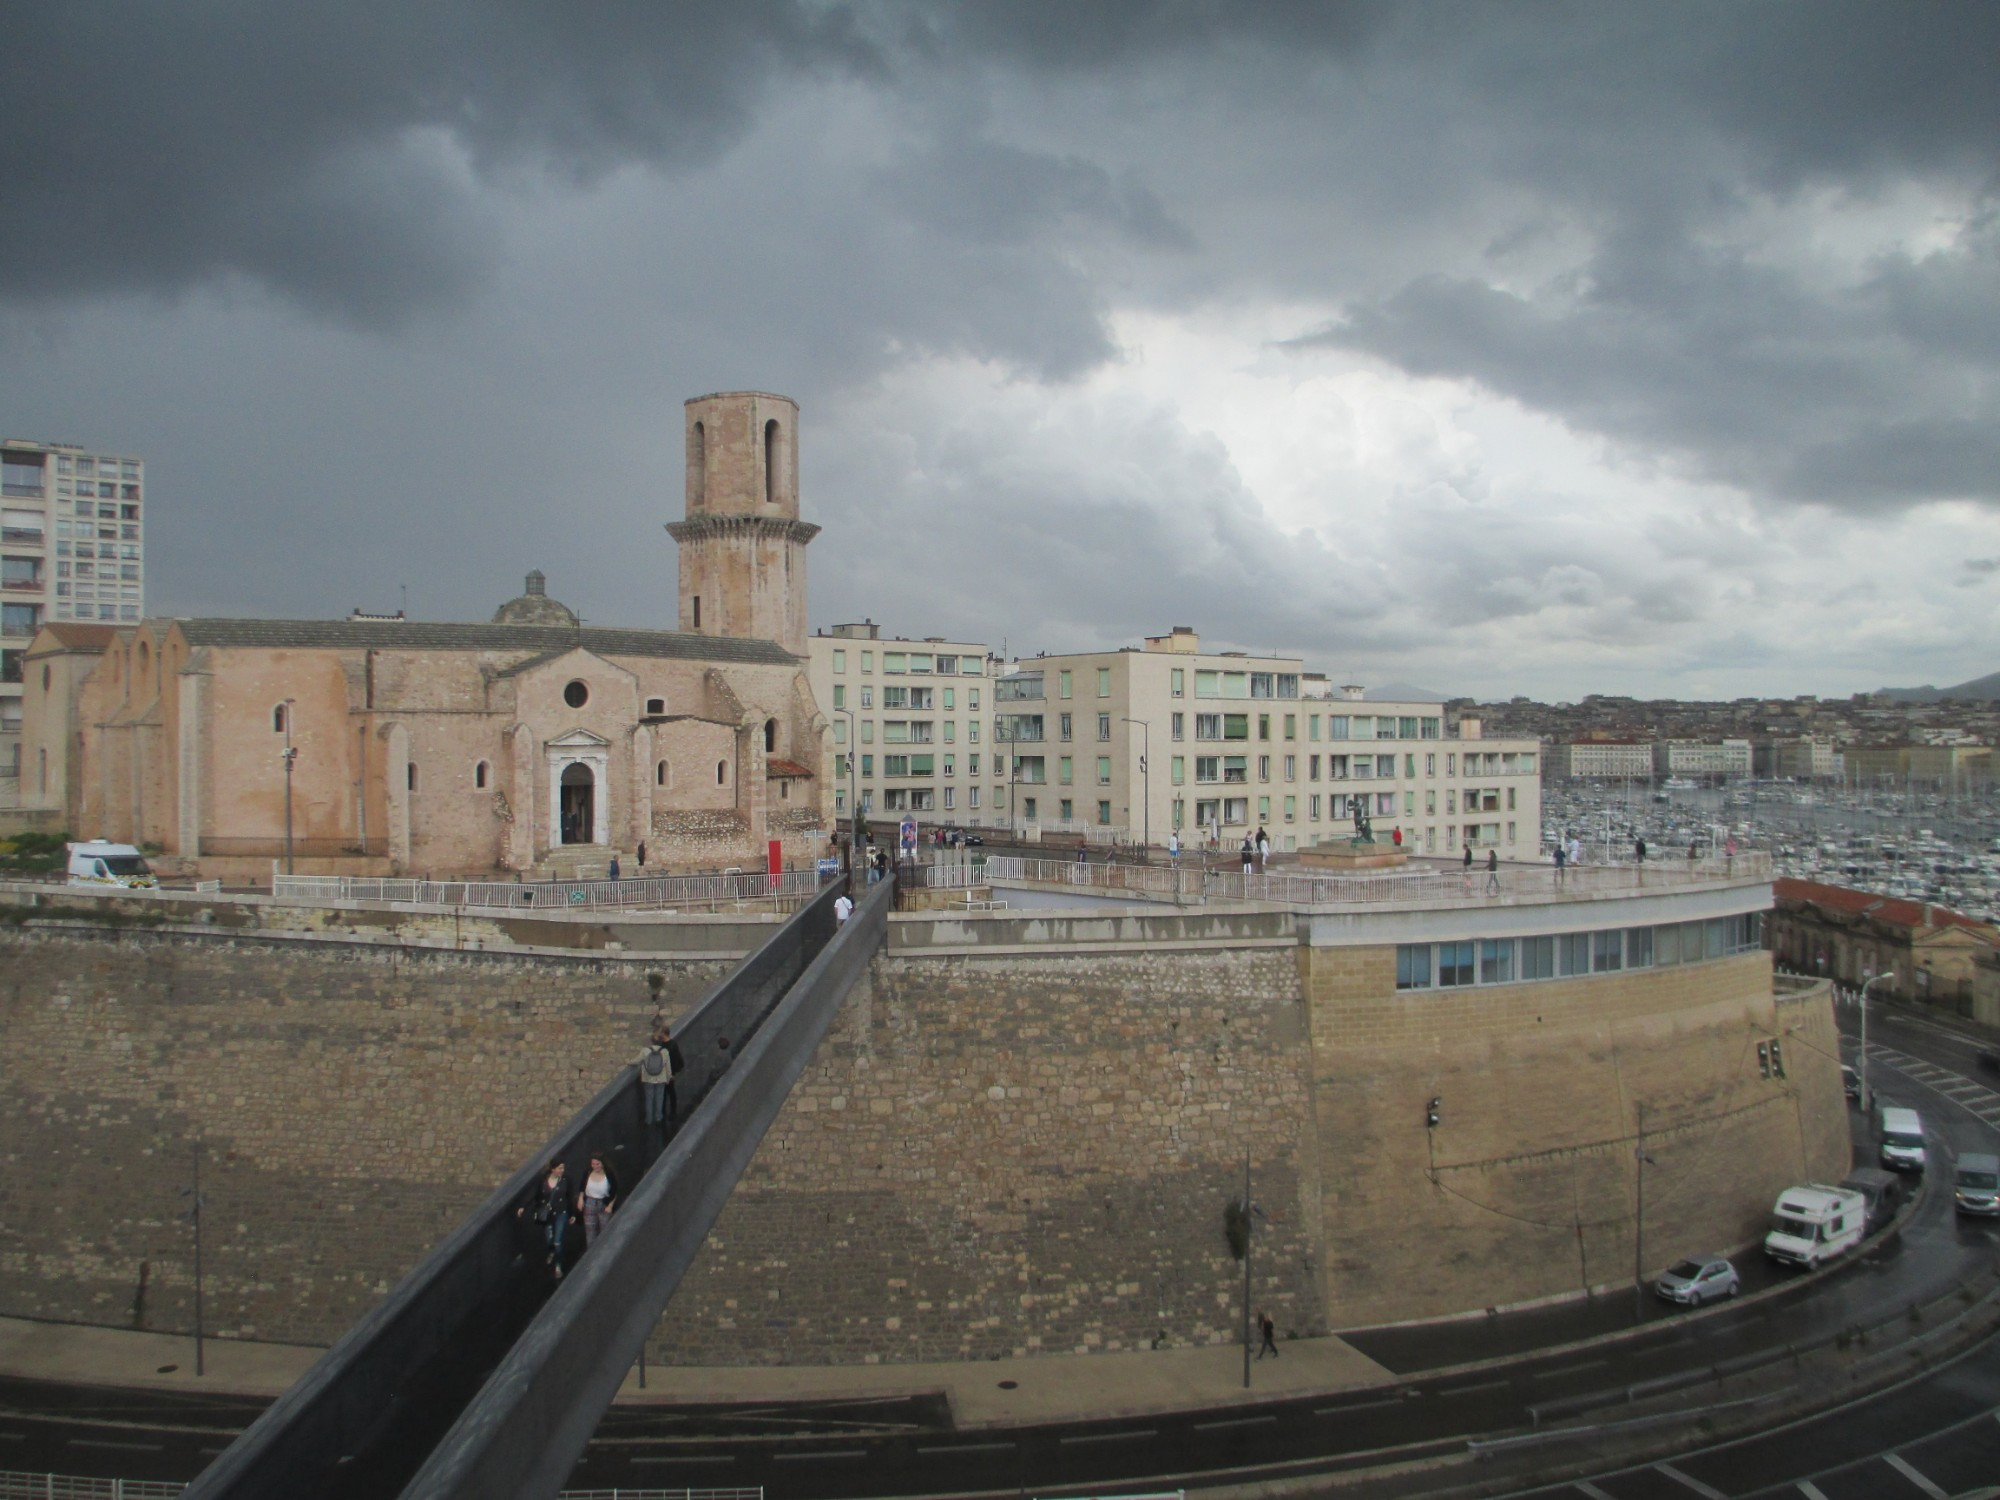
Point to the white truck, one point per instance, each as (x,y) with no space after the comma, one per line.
(1813,1223)
(116,867)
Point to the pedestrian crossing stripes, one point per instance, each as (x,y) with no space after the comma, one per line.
(1976,1098)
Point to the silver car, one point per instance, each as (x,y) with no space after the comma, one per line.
(1693,1282)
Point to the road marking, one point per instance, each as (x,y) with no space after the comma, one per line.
(680,1458)
(969,1447)
(1234,1422)
(1593,1491)
(1706,1491)
(1904,1467)
(803,1458)
(1810,1490)
(1467,1390)
(1333,1411)
(109,1443)
(1110,1437)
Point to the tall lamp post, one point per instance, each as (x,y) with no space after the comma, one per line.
(853,787)
(291,754)
(1640,1161)
(1866,985)
(1146,781)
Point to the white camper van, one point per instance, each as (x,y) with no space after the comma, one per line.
(1902,1140)
(1814,1223)
(117,867)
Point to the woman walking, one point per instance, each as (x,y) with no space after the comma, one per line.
(550,1208)
(596,1201)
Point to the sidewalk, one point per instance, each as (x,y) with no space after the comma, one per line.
(1051,1387)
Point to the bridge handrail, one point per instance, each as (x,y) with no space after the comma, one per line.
(524,1432)
(351,1387)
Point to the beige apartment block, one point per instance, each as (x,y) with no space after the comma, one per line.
(1604,759)
(906,725)
(72,548)
(1703,758)
(1141,743)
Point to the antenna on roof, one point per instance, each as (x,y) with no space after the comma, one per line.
(406,599)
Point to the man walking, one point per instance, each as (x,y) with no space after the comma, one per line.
(659,1060)
(843,908)
(1269,1330)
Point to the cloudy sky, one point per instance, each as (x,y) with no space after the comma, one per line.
(1538,348)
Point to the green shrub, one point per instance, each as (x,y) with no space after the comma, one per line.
(34,853)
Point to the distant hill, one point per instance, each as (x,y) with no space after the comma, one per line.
(1980,687)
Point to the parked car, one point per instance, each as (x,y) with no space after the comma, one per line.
(118,867)
(1883,1192)
(1693,1282)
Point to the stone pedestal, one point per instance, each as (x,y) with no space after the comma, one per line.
(1349,855)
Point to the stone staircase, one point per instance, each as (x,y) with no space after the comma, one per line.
(583,862)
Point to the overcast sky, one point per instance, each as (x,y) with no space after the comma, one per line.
(1531,348)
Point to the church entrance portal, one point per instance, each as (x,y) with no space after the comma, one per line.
(579,805)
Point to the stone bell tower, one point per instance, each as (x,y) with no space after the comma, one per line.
(743,546)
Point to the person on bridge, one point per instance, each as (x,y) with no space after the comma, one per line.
(1492,872)
(1249,855)
(843,908)
(549,1207)
(596,1201)
(659,1060)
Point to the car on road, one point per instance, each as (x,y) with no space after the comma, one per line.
(1975,1187)
(1902,1139)
(1851,1081)
(1693,1282)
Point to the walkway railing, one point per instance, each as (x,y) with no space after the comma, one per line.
(1419,881)
(17,1485)
(644,893)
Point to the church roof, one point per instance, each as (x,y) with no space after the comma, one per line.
(540,640)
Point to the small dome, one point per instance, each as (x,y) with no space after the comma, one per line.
(534,607)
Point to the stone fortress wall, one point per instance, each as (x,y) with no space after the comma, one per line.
(1019,1137)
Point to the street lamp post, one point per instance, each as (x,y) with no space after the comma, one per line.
(1146,781)
(291,754)
(1640,1161)
(853,789)
(1866,985)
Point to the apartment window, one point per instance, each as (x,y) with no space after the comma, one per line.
(867,731)
(972,731)
(1062,684)
(1104,682)
(868,661)
(1236,726)
(972,699)
(1104,815)
(949,761)
(840,661)
(1065,809)
(20,619)
(867,765)
(1063,727)
(972,765)
(1104,726)
(1063,769)
(1263,768)
(1496,961)
(1236,768)
(839,695)
(951,731)
(947,666)
(1208,726)
(1538,958)
(1450,763)
(1291,726)
(1432,729)
(1104,770)
(1573,952)
(1638,947)
(1431,764)
(1291,768)
(950,696)
(972,798)
(1178,727)
(1178,769)
(867,696)
(1291,809)
(1263,726)
(1177,682)
(840,731)
(1510,799)
(1338,727)
(1454,964)
(895,663)
(1262,685)
(1263,809)
(1207,768)
(950,798)
(1028,808)
(1413,966)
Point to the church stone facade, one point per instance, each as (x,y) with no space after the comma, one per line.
(526,745)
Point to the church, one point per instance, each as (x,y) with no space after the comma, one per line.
(527,746)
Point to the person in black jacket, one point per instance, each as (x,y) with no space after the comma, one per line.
(549,1205)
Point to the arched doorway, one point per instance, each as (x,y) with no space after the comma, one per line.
(578,805)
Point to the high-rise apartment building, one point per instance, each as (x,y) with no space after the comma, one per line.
(72,547)
(907,719)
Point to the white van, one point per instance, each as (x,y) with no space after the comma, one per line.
(1814,1223)
(1975,1186)
(117,867)
(1902,1139)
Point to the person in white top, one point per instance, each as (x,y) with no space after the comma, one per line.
(596,1201)
(843,907)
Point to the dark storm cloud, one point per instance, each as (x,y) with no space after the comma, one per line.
(154,148)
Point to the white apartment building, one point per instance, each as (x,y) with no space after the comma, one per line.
(1701,758)
(1589,759)
(72,547)
(1137,743)
(907,722)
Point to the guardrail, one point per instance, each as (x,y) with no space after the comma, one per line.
(398,1379)
(641,893)
(16,1485)
(1190,881)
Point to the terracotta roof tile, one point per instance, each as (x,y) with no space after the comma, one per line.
(1893,910)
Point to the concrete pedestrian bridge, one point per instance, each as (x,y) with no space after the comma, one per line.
(1016,1135)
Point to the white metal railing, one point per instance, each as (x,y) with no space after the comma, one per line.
(644,893)
(17,1485)
(1426,881)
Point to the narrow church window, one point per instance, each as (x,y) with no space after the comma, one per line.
(660,774)
(722,773)
(576,694)
(698,461)
(278,719)
(411,777)
(479,776)
(656,705)
(697,611)
(770,735)
(770,463)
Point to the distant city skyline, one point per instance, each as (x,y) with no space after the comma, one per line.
(1583,348)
